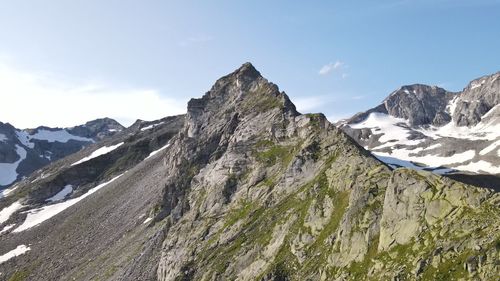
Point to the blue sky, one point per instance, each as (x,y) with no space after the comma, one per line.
(145,59)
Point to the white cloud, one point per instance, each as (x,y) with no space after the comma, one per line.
(307,104)
(316,103)
(32,99)
(334,118)
(326,69)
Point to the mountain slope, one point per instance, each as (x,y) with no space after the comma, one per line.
(425,127)
(247,188)
(68,234)
(24,151)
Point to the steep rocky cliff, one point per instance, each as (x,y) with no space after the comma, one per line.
(250,189)
(478,98)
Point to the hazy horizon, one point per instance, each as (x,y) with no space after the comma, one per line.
(70,62)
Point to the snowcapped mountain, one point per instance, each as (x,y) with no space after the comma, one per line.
(24,151)
(429,128)
(243,187)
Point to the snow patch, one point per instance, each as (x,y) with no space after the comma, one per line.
(491,111)
(392,128)
(37,216)
(5,213)
(8,171)
(24,138)
(156,151)
(101,151)
(396,163)
(452,105)
(430,160)
(50,136)
(3,137)
(61,194)
(147,220)
(7,191)
(7,227)
(490,148)
(151,126)
(482,131)
(480,166)
(59,136)
(19,250)
(433,146)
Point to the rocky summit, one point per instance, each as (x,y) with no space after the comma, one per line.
(244,187)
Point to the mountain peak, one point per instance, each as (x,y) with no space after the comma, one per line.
(104,120)
(242,92)
(420,104)
(418,90)
(247,70)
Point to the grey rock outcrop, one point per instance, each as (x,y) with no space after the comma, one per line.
(419,104)
(479,97)
(97,129)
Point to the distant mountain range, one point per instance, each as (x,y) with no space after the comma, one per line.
(429,128)
(24,151)
(245,187)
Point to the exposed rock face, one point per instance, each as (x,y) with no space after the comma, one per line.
(97,129)
(35,148)
(250,189)
(419,104)
(420,126)
(477,99)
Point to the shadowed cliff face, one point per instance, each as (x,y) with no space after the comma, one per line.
(477,99)
(420,104)
(249,189)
